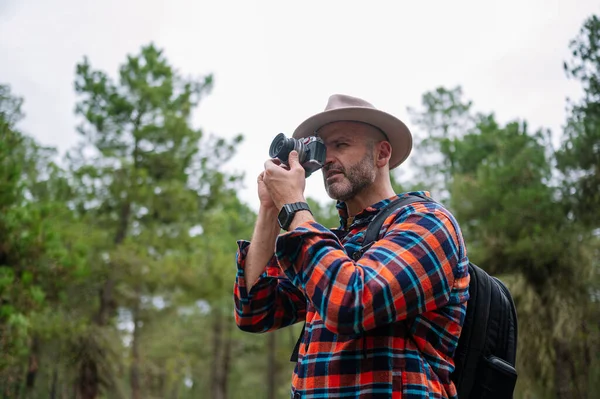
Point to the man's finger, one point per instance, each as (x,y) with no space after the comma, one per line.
(293,159)
(274,162)
(269,164)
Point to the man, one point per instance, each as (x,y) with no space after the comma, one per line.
(384,326)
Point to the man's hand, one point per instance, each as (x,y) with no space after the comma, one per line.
(286,185)
(264,196)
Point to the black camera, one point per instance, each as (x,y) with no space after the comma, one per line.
(311,151)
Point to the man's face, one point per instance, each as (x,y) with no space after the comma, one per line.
(350,165)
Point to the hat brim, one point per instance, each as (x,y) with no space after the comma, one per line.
(397,132)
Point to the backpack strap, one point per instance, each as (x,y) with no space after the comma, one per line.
(371,235)
(294,357)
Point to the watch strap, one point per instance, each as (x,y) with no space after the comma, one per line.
(298,206)
(290,210)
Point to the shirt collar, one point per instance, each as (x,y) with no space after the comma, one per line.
(371,209)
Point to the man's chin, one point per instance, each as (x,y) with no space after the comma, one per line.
(336,193)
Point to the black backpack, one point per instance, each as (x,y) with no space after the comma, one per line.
(486,354)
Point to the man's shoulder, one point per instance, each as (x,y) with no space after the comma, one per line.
(424,205)
(417,201)
(431,216)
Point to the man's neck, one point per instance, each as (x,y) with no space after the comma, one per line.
(378,191)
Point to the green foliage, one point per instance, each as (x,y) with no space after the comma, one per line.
(151,178)
(579,157)
(325,214)
(443,118)
(39,256)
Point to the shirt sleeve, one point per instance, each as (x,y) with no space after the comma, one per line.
(408,271)
(273,301)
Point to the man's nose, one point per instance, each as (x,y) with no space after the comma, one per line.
(329,159)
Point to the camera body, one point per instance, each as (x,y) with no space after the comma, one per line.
(311,151)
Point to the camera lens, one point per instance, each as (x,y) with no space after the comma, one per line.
(281,147)
(278,147)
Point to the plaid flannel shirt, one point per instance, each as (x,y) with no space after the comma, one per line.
(385,326)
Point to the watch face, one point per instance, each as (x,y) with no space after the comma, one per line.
(287,212)
(282,217)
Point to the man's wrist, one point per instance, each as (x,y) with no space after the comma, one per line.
(289,211)
(269,212)
(301,217)
(289,201)
(267,217)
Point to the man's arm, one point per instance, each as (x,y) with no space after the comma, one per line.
(411,270)
(265,299)
(262,248)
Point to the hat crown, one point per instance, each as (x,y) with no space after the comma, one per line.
(337,101)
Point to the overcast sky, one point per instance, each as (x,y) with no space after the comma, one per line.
(276,62)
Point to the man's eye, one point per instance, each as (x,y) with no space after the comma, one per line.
(340,145)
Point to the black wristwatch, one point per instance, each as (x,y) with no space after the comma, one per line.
(287,212)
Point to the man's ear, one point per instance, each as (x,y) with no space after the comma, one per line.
(384,153)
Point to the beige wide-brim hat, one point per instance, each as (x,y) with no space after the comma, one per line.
(347,108)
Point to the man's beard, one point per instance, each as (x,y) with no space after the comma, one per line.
(358,177)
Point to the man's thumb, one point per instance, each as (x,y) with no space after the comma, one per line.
(293,158)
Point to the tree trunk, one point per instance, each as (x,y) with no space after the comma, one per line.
(576,390)
(161,383)
(33,367)
(271,366)
(562,371)
(585,361)
(89,380)
(222,342)
(217,369)
(135,353)
(226,358)
(88,384)
(54,386)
